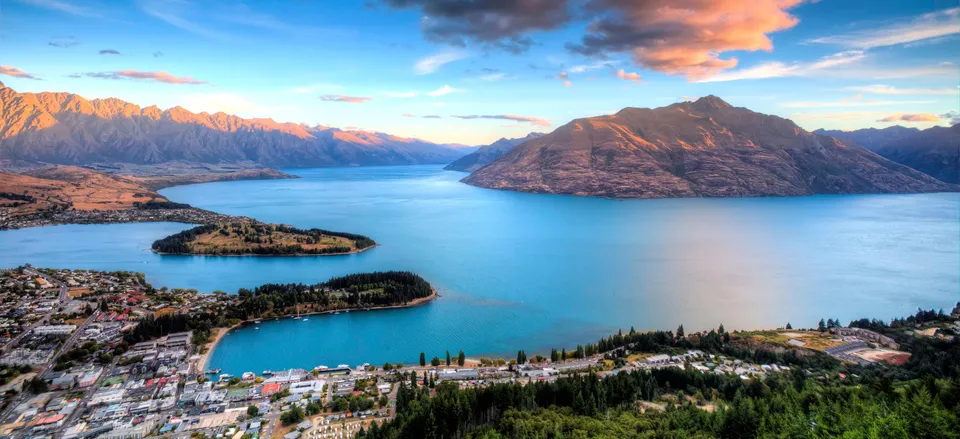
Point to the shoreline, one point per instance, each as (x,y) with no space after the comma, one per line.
(352,252)
(221,332)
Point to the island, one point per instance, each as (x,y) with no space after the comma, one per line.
(239,238)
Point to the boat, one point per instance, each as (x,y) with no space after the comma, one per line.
(256,321)
(256,327)
(212,371)
(336,313)
(267,373)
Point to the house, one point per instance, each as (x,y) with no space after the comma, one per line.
(658,359)
(269,389)
(313,386)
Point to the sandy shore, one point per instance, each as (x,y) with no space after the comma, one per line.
(221,332)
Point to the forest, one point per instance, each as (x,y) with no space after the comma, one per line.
(819,398)
(365,290)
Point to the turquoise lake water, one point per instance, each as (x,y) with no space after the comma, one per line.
(538,271)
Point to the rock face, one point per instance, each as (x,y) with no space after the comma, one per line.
(64,128)
(706,148)
(488,153)
(934,151)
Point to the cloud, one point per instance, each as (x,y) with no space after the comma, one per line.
(163,77)
(563,75)
(62,6)
(854,101)
(445,90)
(493,77)
(847,115)
(174,12)
(778,69)
(527,119)
(567,83)
(343,98)
(63,42)
(489,70)
(157,54)
(633,76)
(16,73)
(432,63)
(496,23)
(953,117)
(683,37)
(109,52)
(599,65)
(927,26)
(891,90)
(428,116)
(919,117)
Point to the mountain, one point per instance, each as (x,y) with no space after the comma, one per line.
(934,151)
(870,138)
(65,128)
(706,148)
(487,154)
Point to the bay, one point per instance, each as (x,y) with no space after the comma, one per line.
(539,271)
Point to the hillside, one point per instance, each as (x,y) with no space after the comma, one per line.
(871,138)
(706,148)
(70,187)
(488,153)
(65,128)
(934,151)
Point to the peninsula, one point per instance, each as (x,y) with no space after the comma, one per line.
(255,238)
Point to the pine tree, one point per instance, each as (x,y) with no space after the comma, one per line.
(461,359)
(680,333)
(563,354)
(822,326)
(423,359)
(448,358)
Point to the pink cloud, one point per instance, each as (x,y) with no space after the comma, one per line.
(918,117)
(163,77)
(528,119)
(633,76)
(343,98)
(15,72)
(685,37)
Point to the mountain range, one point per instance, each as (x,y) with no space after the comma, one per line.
(934,151)
(65,128)
(705,148)
(488,153)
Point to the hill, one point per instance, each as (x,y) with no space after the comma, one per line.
(705,148)
(64,128)
(934,151)
(488,153)
(70,187)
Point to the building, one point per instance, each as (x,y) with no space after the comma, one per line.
(658,359)
(55,329)
(313,386)
(866,335)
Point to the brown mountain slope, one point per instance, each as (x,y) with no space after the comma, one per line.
(64,128)
(705,148)
(66,187)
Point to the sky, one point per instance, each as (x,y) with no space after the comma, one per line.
(472,71)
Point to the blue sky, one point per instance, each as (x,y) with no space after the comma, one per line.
(505,70)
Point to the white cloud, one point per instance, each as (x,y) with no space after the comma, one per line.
(432,63)
(62,6)
(442,91)
(933,25)
(493,77)
(778,69)
(599,65)
(891,90)
(854,101)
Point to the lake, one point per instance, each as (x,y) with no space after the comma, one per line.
(539,271)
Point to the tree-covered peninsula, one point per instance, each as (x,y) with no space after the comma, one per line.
(255,238)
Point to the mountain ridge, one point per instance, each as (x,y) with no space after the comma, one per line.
(705,148)
(934,151)
(488,153)
(65,128)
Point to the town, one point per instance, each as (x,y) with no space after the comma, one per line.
(80,361)
(175,213)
